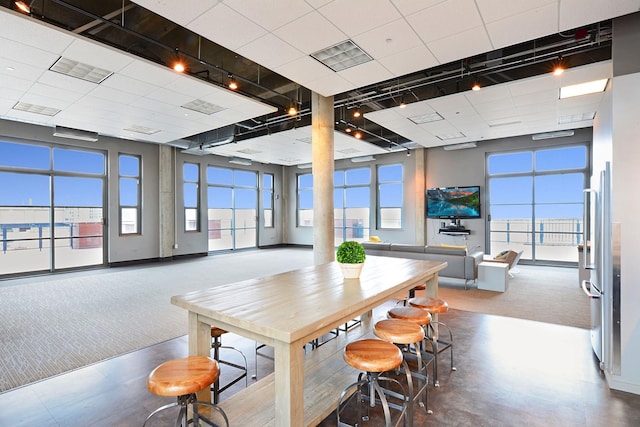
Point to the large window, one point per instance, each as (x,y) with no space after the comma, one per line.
(267,200)
(130,194)
(305,200)
(51,207)
(390,190)
(232,214)
(535,202)
(352,201)
(191,179)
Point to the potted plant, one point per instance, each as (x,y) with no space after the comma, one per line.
(350,256)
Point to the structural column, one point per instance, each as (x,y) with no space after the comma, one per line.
(166,174)
(322,124)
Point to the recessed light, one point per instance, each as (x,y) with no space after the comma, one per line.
(426,118)
(342,56)
(583,88)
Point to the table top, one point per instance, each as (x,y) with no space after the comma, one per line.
(294,305)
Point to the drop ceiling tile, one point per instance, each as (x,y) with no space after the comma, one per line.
(496,10)
(97,55)
(575,13)
(535,23)
(65,96)
(270,51)
(270,14)
(408,7)
(22,77)
(109,94)
(547,97)
(405,62)
(461,45)
(362,74)
(533,85)
(128,84)
(20,53)
(355,17)
(181,12)
(388,39)
(153,74)
(304,69)
(430,26)
(227,27)
(450,103)
(69,83)
(330,85)
(32,33)
(488,94)
(311,33)
(600,70)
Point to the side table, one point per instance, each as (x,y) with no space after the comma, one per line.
(493,276)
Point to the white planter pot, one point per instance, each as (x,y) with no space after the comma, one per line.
(351,271)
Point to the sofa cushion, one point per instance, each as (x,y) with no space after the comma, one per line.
(444,250)
(399,247)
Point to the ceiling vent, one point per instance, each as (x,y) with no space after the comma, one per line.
(82,135)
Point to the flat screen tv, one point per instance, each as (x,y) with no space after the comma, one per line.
(453,202)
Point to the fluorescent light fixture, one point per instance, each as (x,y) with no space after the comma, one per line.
(583,88)
(460,146)
(36,109)
(514,122)
(452,135)
(82,135)
(426,118)
(240,161)
(304,166)
(577,117)
(549,135)
(362,159)
(76,69)
(341,56)
(203,107)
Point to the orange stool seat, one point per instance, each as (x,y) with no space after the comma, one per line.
(371,355)
(399,331)
(183,376)
(411,314)
(432,305)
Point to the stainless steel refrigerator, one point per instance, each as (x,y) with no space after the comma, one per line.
(601,256)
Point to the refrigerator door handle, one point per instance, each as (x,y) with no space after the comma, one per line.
(590,196)
(587,290)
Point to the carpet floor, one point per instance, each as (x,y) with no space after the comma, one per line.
(57,323)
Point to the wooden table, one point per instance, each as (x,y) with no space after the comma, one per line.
(290,309)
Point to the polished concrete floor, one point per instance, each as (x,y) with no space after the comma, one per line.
(510,372)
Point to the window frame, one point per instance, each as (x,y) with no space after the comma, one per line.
(380,184)
(186,208)
(138,205)
(270,191)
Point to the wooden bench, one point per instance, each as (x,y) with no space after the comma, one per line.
(326,376)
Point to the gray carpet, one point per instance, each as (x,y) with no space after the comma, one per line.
(545,294)
(54,324)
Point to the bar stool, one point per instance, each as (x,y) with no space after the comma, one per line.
(373,357)
(216,345)
(435,306)
(423,319)
(404,334)
(182,378)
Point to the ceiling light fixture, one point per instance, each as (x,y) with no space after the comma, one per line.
(462,146)
(233,84)
(357,135)
(240,161)
(583,88)
(475,87)
(362,159)
(82,135)
(292,110)
(357,113)
(342,56)
(402,103)
(549,135)
(23,6)
(179,67)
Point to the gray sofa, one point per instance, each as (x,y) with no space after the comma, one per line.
(461,265)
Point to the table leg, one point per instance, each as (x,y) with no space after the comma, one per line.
(200,345)
(289,383)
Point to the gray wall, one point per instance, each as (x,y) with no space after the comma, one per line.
(467,167)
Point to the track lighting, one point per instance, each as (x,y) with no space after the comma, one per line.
(475,87)
(357,113)
(24,6)
(292,110)
(233,84)
(178,67)
(358,134)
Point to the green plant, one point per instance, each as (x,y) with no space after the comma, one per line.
(350,252)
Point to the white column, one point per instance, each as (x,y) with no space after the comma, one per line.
(322,124)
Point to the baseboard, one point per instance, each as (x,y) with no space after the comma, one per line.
(616,383)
